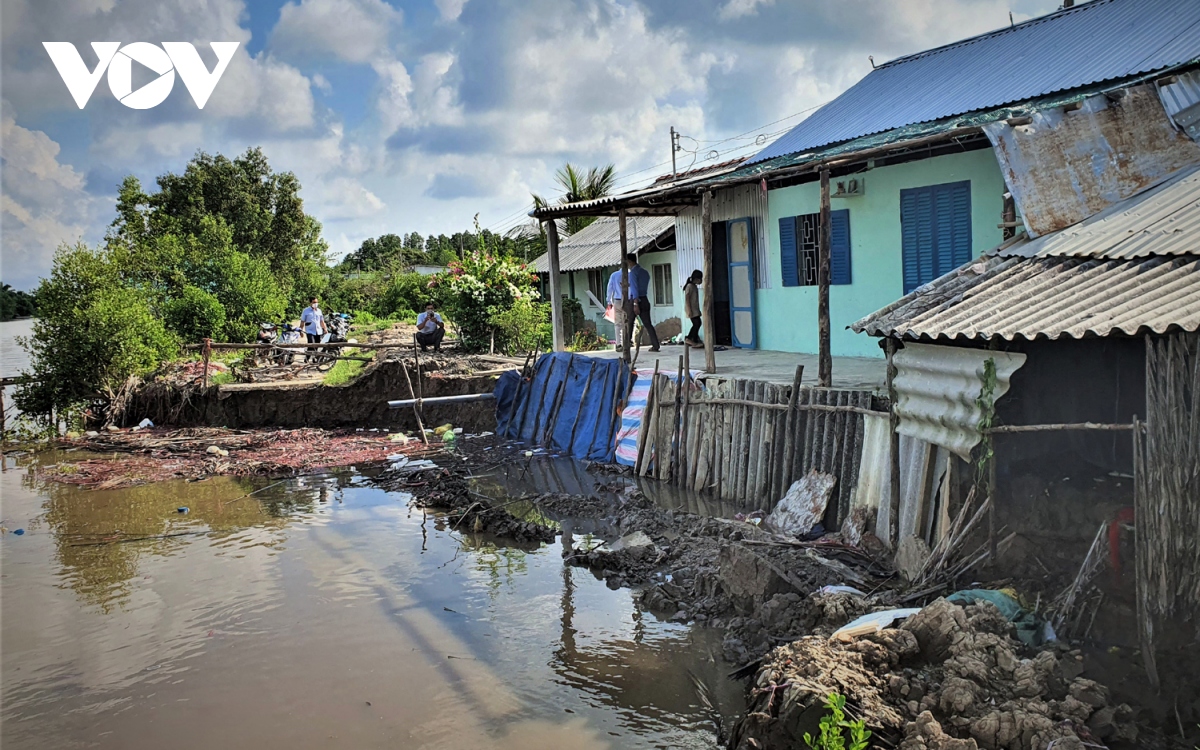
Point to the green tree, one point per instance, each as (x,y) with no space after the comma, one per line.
(579,185)
(16,304)
(93,331)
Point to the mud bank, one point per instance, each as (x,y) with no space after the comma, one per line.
(952,677)
(359,403)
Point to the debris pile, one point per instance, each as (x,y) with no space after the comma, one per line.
(449,490)
(157,454)
(949,678)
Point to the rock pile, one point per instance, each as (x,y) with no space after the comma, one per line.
(950,678)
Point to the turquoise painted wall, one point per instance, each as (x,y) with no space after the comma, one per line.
(787,316)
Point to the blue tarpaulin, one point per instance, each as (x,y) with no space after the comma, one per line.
(570,404)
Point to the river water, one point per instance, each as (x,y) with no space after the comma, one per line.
(319,613)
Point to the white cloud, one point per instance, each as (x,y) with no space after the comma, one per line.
(350,30)
(738,8)
(450,9)
(42,205)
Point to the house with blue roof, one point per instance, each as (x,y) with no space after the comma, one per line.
(920,179)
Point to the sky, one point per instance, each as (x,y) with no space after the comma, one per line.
(416,116)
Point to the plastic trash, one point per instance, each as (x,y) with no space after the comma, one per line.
(872,623)
(449,437)
(457,430)
(145,423)
(841,590)
(19,532)
(400,437)
(182,509)
(92,433)
(442,429)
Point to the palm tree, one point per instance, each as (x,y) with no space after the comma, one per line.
(577,186)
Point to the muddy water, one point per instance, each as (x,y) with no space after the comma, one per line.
(319,613)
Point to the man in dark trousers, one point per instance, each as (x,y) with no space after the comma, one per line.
(312,320)
(640,280)
(431,329)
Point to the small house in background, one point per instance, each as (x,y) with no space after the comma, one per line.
(428,270)
(588,257)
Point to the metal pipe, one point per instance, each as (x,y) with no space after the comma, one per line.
(464,398)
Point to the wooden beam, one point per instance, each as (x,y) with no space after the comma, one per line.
(626,302)
(556,309)
(825,358)
(893,530)
(707,314)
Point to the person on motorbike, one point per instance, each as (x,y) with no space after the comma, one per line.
(312,320)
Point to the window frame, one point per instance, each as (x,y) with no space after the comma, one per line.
(664,286)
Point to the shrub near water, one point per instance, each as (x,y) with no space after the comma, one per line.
(479,288)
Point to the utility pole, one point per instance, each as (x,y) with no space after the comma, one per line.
(674,148)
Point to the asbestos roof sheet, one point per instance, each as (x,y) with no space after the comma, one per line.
(1161,220)
(598,245)
(1101,40)
(1048,298)
(1131,269)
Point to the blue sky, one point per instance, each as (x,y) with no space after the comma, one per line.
(415,116)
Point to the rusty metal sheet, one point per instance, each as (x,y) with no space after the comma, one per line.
(1066,166)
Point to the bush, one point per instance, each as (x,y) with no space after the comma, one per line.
(407,292)
(195,315)
(523,327)
(587,340)
(472,292)
(92,333)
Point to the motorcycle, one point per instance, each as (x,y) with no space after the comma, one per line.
(266,335)
(339,327)
(285,342)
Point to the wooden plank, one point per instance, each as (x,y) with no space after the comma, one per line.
(556,307)
(825,357)
(626,302)
(707,309)
(893,533)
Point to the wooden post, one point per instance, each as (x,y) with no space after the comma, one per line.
(626,302)
(207,353)
(825,362)
(556,311)
(2,419)
(894,419)
(789,437)
(416,404)
(685,380)
(707,313)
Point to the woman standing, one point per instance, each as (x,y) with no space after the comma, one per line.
(691,307)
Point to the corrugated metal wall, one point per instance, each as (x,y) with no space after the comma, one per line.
(732,203)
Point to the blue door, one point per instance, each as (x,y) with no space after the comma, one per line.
(741,282)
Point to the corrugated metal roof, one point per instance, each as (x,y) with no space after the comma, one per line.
(599,244)
(609,202)
(1132,269)
(1162,220)
(1048,298)
(1101,40)
(938,389)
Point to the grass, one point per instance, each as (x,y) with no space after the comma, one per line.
(344,370)
(221,378)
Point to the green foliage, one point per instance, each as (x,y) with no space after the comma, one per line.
(587,340)
(578,185)
(93,331)
(344,370)
(15,304)
(195,315)
(408,291)
(986,401)
(479,287)
(523,327)
(834,728)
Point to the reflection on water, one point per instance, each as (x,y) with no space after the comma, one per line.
(320,613)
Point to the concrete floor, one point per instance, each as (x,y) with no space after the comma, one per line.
(859,373)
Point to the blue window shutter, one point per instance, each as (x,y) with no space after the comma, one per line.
(961,225)
(787,251)
(839,247)
(915,237)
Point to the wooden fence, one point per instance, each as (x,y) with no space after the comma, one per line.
(748,440)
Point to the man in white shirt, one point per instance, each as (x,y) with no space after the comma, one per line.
(431,329)
(312,320)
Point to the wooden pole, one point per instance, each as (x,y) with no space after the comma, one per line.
(416,407)
(707,313)
(825,363)
(789,436)
(207,353)
(556,310)
(893,531)
(685,380)
(626,302)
